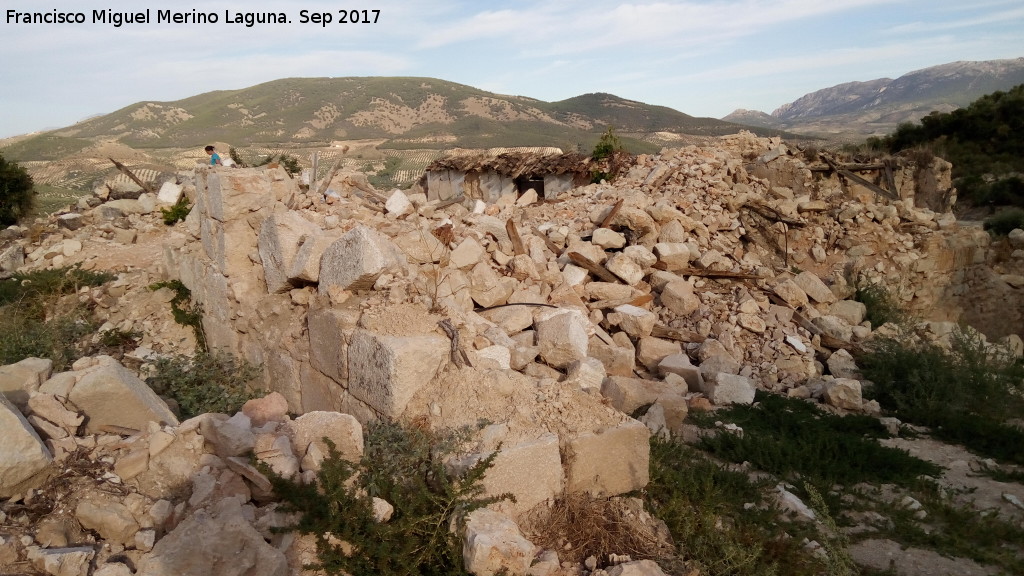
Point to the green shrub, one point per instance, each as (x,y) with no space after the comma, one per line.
(176,213)
(720,519)
(17,196)
(208,382)
(882,306)
(36,322)
(965,394)
(405,466)
(1004,222)
(607,145)
(792,438)
(185,312)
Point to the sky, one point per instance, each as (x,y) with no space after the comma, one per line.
(701,57)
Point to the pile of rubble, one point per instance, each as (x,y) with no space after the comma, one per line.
(699,276)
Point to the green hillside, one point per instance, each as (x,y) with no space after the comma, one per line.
(408,112)
(984,141)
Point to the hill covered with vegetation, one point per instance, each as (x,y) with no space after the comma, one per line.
(984,141)
(404,112)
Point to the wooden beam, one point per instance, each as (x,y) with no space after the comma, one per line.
(612,214)
(637,301)
(517,241)
(124,170)
(593,267)
(680,335)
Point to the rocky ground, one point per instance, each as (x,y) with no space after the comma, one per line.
(699,276)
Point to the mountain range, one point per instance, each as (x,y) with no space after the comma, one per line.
(876,107)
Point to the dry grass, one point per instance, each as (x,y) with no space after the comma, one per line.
(579,526)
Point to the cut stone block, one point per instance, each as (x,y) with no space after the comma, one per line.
(386,371)
(110,394)
(357,259)
(678,297)
(22,452)
(723,388)
(650,351)
(19,380)
(562,336)
(680,365)
(612,461)
(279,241)
(814,287)
(493,545)
(628,394)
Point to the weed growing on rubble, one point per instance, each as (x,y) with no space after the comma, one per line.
(41,317)
(720,519)
(882,306)
(964,394)
(792,438)
(1004,222)
(403,465)
(176,213)
(207,382)
(953,529)
(185,312)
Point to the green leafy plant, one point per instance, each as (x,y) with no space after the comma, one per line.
(792,438)
(176,213)
(207,382)
(403,465)
(719,518)
(236,158)
(882,306)
(185,312)
(288,162)
(17,196)
(1004,222)
(965,394)
(40,316)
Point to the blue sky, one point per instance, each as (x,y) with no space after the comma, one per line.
(704,58)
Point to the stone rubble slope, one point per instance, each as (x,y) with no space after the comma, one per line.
(697,277)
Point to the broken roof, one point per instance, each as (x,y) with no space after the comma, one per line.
(514,164)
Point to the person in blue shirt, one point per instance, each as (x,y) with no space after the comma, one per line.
(214,157)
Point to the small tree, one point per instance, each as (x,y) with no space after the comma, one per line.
(17,197)
(607,145)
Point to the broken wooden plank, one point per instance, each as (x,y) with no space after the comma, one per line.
(555,248)
(637,301)
(593,267)
(517,241)
(124,170)
(677,334)
(612,214)
(769,213)
(869,185)
(322,189)
(703,273)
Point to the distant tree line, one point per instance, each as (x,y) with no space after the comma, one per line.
(984,141)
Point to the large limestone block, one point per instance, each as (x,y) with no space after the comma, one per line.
(218,541)
(628,394)
(110,394)
(844,393)
(678,296)
(612,461)
(310,429)
(674,255)
(530,470)
(789,291)
(680,365)
(834,326)
(357,259)
(231,194)
(625,268)
(19,380)
(562,336)
(650,351)
(62,561)
(12,258)
(109,518)
(814,287)
(22,453)
(386,371)
(851,311)
(487,288)
(170,193)
(493,544)
(330,330)
(280,237)
(723,388)
(617,360)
